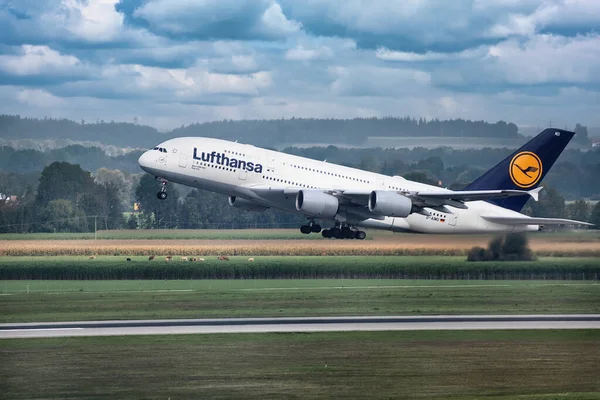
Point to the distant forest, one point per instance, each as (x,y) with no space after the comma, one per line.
(258,132)
(575,174)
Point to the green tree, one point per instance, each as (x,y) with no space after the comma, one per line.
(132,221)
(421,176)
(578,210)
(595,216)
(124,182)
(156,213)
(112,207)
(61,215)
(61,180)
(435,165)
(551,204)
(581,135)
(368,163)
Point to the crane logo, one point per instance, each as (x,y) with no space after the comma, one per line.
(525,169)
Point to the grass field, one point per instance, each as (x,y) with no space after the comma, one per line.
(504,365)
(285,242)
(30,301)
(169,234)
(423,267)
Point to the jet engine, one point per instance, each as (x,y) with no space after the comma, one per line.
(317,204)
(244,204)
(389,204)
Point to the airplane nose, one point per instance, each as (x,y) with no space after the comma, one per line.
(146,160)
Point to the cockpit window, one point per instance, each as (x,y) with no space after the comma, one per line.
(161,149)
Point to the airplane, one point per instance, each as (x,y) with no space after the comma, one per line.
(256,179)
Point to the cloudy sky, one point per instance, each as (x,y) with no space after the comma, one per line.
(174,62)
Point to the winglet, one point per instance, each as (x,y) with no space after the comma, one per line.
(535,193)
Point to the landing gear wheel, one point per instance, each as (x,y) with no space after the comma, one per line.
(305,229)
(347,233)
(315,228)
(360,235)
(163,189)
(326,233)
(336,233)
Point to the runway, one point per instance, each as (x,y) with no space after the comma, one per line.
(304,324)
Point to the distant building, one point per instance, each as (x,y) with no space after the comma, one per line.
(8,198)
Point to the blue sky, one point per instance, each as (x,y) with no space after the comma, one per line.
(174,62)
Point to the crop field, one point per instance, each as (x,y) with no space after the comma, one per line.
(169,234)
(35,301)
(499,365)
(266,234)
(296,267)
(583,244)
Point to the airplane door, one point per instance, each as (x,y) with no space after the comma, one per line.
(451,219)
(242,174)
(271,162)
(183,159)
(380,184)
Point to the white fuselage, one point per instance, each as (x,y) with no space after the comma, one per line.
(235,169)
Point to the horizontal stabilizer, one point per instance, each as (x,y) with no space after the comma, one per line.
(532,221)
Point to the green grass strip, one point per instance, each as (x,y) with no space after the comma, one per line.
(355,365)
(278,267)
(30,301)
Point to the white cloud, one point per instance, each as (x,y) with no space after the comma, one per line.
(546,59)
(218,18)
(391,55)
(243,62)
(301,53)
(39,98)
(556,13)
(376,81)
(94,21)
(39,60)
(201,82)
(274,23)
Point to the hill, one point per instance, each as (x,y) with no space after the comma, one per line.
(258,132)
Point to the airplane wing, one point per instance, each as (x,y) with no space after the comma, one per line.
(532,221)
(436,199)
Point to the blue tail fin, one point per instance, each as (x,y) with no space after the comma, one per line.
(525,168)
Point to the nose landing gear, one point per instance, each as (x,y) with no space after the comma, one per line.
(162,194)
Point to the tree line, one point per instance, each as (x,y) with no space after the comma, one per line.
(260,132)
(575,174)
(68,198)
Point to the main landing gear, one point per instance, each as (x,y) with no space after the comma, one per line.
(311,227)
(338,232)
(162,194)
(344,232)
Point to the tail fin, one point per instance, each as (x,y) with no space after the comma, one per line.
(525,168)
